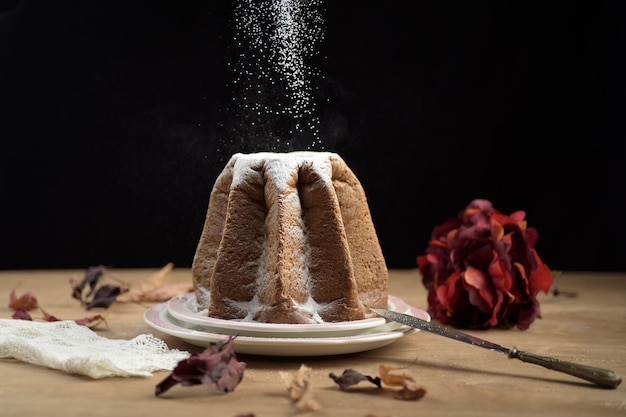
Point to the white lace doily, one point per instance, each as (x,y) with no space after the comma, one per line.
(76,349)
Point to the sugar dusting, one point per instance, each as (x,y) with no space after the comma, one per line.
(279,168)
(272,91)
(274,110)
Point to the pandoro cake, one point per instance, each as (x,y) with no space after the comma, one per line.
(288,238)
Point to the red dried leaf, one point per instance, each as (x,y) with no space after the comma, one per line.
(47,316)
(27,301)
(351,377)
(92,320)
(21,315)
(217,364)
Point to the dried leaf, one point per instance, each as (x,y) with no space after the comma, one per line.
(91,278)
(47,316)
(351,377)
(217,364)
(300,390)
(168,291)
(22,304)
(21,315)
(92,321)
(155,288)
(104,296)
(98,295)
(389,378)
(410,390)
(87,321)
(27,301)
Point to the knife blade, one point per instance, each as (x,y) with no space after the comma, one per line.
(602,377)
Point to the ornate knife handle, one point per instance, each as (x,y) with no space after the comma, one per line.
(603,377)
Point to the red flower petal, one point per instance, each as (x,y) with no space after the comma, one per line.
(541,278)
(501,276)
(497,231)
(480,282)
(447,294)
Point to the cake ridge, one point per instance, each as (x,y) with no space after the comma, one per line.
(280,242)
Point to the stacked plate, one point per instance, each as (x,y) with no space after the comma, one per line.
(180,317)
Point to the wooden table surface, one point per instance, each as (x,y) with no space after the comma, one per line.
(460,379)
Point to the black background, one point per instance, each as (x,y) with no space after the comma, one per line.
(115,123)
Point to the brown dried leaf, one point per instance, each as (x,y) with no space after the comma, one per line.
(410,389)
(155,288)
(168,291)
(300,390)
(390,378)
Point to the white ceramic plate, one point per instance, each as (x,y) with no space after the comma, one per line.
(159,318)
(184,308)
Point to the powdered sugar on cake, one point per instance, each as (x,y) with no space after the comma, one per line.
(283,169)
(289,239)
(281,166)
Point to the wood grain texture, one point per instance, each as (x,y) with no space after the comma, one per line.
(461,380)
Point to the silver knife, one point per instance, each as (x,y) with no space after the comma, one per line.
(602,377)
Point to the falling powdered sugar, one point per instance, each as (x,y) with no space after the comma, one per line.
(272,92)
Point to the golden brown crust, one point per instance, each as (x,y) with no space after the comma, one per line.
(206,252)
(370,268)
(288,238)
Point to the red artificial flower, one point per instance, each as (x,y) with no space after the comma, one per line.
(481,270)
